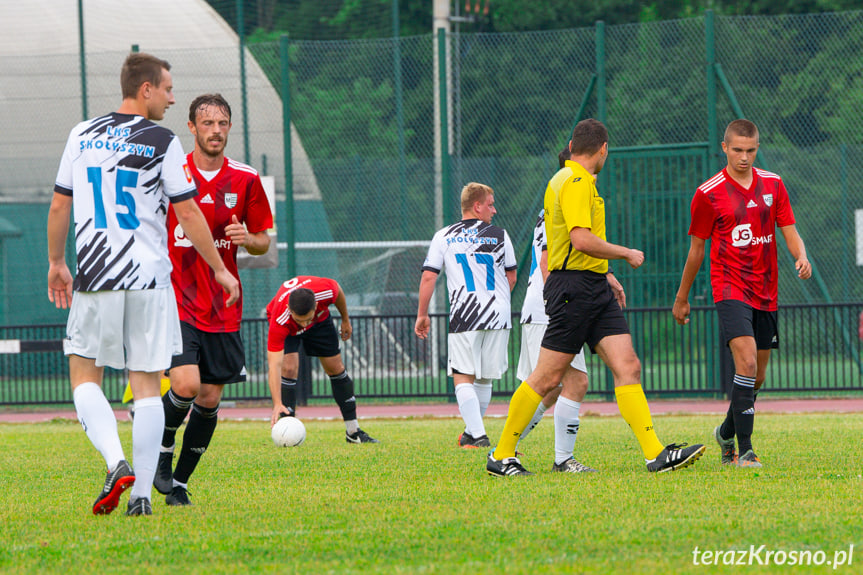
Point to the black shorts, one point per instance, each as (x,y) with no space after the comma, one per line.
(320,340)
(220,357)
(581,309)
(738,319)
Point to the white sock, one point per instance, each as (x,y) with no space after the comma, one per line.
(99,422)
(146,440)
(352,426)
(537,417)
(468,406)
(565,428)
(483,394)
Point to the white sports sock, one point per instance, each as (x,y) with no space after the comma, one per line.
(537,417)
(483,394)
(146,440)
(352,426)
(565,428)
(468,406)
(99,422)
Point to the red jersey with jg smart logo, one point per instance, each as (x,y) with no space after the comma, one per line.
(235,190)
(741,226)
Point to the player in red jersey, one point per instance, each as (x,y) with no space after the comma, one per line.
(738,210)
(300,312)
(235,205)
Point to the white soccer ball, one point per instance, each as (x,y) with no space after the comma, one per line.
(288,432)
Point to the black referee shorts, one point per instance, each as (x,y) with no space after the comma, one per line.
(738,319)
(320,340)
(581,309)
(220,357)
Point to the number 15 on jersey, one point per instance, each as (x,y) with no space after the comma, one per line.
(124,180)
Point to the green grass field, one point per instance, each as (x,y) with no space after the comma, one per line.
(417,504)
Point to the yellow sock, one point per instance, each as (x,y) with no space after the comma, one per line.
(635,411)
(522,406)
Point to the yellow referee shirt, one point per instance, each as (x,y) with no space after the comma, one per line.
(571,201)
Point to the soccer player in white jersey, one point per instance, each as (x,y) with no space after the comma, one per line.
(117,174)
(480,268)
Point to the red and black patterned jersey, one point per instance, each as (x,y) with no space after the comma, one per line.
(235,190)
(741,226)
(282,324)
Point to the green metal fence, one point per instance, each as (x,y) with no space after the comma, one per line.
(387,361)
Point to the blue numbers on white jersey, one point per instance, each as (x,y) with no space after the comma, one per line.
(486,260)
(125,179)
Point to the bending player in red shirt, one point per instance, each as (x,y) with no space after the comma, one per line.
(738,210)
(233,200)
(300,311)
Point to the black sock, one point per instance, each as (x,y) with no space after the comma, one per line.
(343,393)
(196,439)
(176,410)
(743,406)
(726,430)
(289,394)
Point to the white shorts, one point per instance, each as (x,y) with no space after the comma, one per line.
(481,353)
(531,341)
(137,330)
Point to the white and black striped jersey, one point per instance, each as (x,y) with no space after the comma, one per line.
(533,307)
(121,171)
(477,256)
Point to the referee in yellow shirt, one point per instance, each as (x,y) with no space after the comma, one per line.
(583,310)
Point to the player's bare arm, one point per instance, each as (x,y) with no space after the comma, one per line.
(342,305)
(584,241)
(256,244)
(59,277)
(198,231)
(681,307)
(274,379)
(616,289)
(423,323)
(798,251)
(511,278)
(543,265)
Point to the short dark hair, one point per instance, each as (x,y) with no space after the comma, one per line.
(208,100)
(588,136)
(139,68)
(301,301)
(564,155)
(741,127)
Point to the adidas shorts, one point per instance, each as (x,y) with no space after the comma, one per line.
(531,341)
(320,340)
(220,357)
(481,353)
(137,330)
(738,319)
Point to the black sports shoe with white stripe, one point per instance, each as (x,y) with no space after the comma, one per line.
(675,456)
(139,506)
(468,441)
(116,482)
(360,437)
(504,467)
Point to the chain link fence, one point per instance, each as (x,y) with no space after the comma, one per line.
(363,143)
